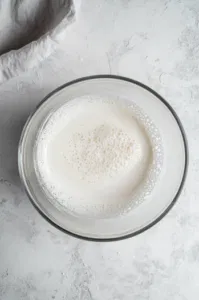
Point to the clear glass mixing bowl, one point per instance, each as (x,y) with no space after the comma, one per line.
(170,181)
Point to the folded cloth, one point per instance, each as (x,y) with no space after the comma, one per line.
(30,32)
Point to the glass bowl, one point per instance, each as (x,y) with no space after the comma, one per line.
(170,180)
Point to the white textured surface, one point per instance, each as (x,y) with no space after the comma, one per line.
(156,42)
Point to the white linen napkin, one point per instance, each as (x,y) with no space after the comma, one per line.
(30,32)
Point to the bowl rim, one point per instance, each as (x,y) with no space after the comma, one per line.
(122,78)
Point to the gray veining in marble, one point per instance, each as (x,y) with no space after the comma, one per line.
(156,42)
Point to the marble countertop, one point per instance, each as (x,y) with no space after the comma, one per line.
(156,42)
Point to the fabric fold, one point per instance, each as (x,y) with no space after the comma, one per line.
(31,32)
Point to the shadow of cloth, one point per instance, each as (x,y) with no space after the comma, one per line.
(11,126)
(31,31)
(16,104)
